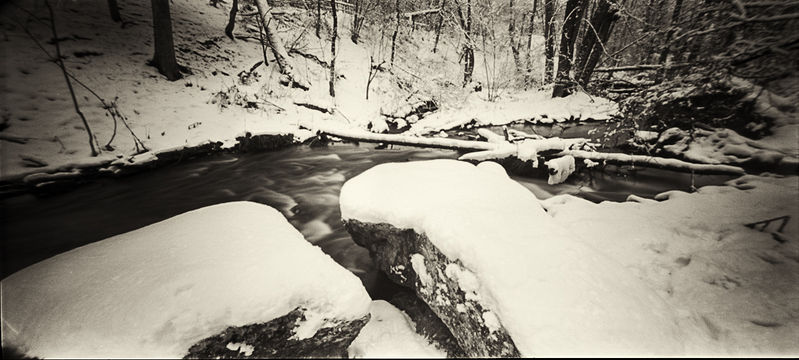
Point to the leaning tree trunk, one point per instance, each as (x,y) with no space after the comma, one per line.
(594,40)
(333,49)
(571,24)
(231,23)
(664,54)
(604,32)
(278,49)
(549,39)
(164,58)
(114,9)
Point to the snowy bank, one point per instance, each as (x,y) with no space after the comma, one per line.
(158,290)
(529,106)
(481,252)
(736,285)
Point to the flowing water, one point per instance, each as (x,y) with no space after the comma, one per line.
(302,182)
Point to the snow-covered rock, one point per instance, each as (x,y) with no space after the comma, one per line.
(506,279)
(390,334)
(219,280)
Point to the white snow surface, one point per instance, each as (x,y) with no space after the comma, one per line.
(560,169)
(735,285)
(155,291)
(390,334)
(554,294)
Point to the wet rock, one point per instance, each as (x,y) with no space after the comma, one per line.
(278,339)
(411,260)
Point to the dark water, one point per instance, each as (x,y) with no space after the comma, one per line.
(302,182)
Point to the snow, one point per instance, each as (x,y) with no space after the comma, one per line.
(560,169)
(530,106)
(725,146)
(156,291)
(552,292)
(734,284)
(417,262)
(390,334)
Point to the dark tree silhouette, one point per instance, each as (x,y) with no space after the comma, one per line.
(164,58)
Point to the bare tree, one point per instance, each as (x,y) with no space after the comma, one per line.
(60,61)
(571,24)
(114,9)
(675,16)
(549,39)
(276,44)
(231,23)
(468,43)
(318,17)
(164,58)
(333,49)
(396,31)
(596,36)
(440,24)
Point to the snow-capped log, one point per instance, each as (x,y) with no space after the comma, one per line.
(654,161)
(480,250)
(228,280)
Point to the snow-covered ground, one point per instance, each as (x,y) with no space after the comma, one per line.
(156,291)
(680,276)
(737,284)
(43,133)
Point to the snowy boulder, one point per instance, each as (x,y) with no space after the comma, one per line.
(390,333)
(229,280)
(505,279)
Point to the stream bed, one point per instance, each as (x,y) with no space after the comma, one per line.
(302,182)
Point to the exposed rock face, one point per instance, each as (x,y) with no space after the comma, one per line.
(410,259)
(277,339)
(427,322)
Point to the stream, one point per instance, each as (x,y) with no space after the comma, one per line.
(302,182)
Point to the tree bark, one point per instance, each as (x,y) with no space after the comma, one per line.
(231,23)
(514,41)
(440,24)
(318,17)
(571,24)
(164,58)
(114,9)
(356,20)
(468,46)
(549,39)
(664,54)
(592,45)
(396,31)
(276,44)
(593,59)
(333,49)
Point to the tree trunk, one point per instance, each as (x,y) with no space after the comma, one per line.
(333,49)
(164,58)
(114,9)
(276,44)
(318,17)
(664,54)
(571,24)
(468,46)
(440,24)
(396,31)
(231,23)
(605,29)
(593,42)
(549,39)
(528,61)
(514,41)
(356,19)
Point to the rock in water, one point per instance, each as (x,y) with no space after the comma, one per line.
(497,270)
(229,280)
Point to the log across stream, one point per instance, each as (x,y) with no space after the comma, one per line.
(302,182)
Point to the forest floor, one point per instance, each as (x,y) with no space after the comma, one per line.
(43,134)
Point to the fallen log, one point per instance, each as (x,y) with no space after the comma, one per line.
(653,161)
(525,150)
